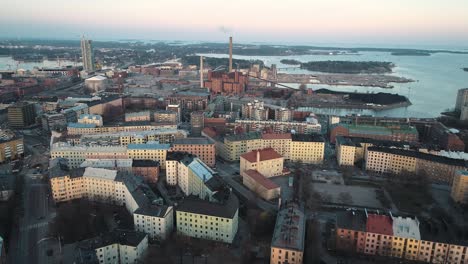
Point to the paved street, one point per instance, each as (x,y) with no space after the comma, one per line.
(29,240)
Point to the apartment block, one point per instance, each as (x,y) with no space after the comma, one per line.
(404,133)
(138,116)
(21,115)
(397,237)
(200,147)
(287,245)
(116,247)
(459,191)
(11,145)
(203,219)
(266,161)
(279,126)
(166,117)
(116,187)
(308,148)
(396,161)
(262,186)
(164,136)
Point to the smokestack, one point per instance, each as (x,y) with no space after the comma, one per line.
(201,72)
(230,54)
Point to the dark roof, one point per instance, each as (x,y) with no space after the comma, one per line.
(192,141)
(117,236)
(193,204)
(178,155)
(145,163)
(104,99)
(153,210)
(420,155)
(307,137)
(356,142)
(352,220)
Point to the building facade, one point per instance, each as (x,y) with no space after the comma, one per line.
(287,244)
(87,55)
(200,147)
(21,115)
(459,191)
(266,161)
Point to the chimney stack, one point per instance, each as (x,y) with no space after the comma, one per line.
(230,54)
(258,155)
(201,72)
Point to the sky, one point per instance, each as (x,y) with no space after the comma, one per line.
(380,22)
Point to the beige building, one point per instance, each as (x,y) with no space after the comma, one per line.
(166,117)
(287,244)
(138,116)
(308,148)
(263,187)
(200,147)
(460,187)
(76,129)
(116,247)
(217,221)
(397,237)
(164,136)
(113,186)
(396,161)
(266,161)
(11,145)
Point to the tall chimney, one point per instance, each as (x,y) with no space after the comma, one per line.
(230,54)
(201,72)
(258,155)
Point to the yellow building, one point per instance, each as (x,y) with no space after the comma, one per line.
(396,161)
(460,187)
(287,244)
(263,187)
(266,161)
(11,146)
(156,152)
(307,148)
(115,187)
(203,219)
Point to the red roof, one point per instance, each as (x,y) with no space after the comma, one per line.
(265,154)
(379,224)
(259,178)
(276,136)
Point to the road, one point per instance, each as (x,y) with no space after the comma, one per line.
(29,240)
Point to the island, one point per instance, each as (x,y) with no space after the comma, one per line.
(290,62)
(352,67)
(216,62)
(411,53)
(465,69)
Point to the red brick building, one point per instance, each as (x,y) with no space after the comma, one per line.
(148,169)
(200,147)
(227,83)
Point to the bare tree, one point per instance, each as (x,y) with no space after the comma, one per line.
(345,198)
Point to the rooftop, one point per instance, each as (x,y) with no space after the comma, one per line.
(96,78)
(420,155)
(406,227)
(153,210)
(380,130)
(201,169)
(107,163)
(262,155)
(352,220)
(196,205)
(149,146)
(100,173)
(357,141)
(379,224)
(244,136)
(268,136)
(307,137)
(260,179)
(192,141)
(289,230)
(90,116)
(81,125)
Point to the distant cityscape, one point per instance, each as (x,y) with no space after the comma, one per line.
(186,158)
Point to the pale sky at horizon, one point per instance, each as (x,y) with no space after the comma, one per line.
(428,22)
